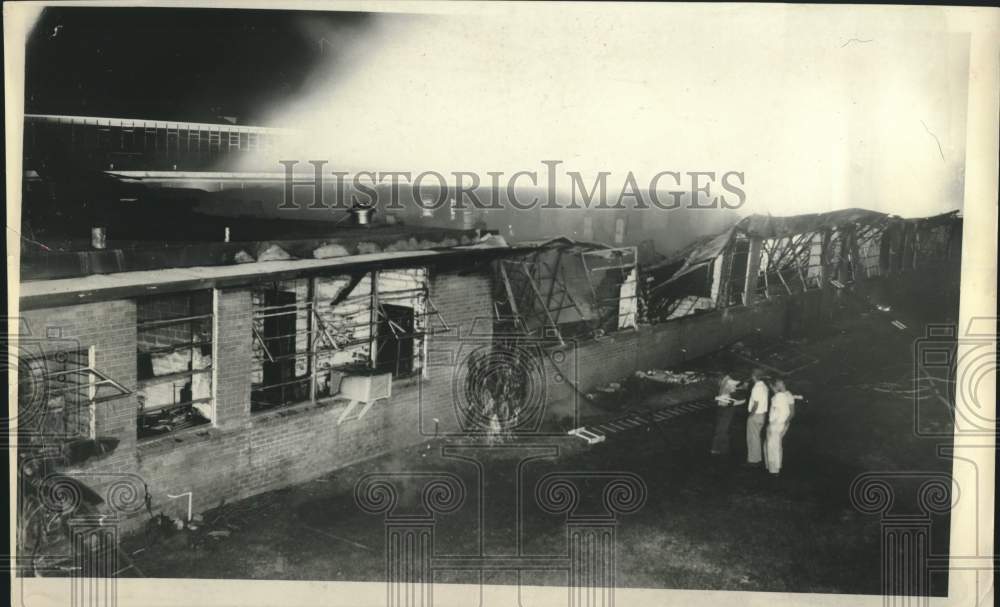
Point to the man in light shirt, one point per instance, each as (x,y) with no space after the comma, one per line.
(781,413)
(756,417)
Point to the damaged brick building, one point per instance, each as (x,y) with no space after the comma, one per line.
(212,370)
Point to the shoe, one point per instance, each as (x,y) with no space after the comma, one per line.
(751,464)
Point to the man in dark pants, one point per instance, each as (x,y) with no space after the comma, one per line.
(756,418)
(724,414)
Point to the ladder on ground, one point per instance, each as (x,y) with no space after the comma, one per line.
(635,420)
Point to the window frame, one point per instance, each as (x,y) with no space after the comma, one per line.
(86,391)
(321,334)
(196,342)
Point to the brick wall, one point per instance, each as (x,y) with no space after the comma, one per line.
(108,327)
(593,363)
(232,358)
(242,453)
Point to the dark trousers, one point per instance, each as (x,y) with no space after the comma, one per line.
(723,419)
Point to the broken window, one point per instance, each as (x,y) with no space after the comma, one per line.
(282,324)
(174,342)
(306,341)
(53,399)
(344,317)
(402,312)
(569,290)
(57,392)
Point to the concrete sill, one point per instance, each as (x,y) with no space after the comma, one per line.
(330,403)
(266,417)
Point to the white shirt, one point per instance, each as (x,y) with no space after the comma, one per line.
(781,408)
(758,398)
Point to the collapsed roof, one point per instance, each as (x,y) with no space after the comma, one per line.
(767,226)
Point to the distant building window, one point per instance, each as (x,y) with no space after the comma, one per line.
(214,141)
(174,339)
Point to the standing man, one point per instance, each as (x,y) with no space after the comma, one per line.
(782,410)
(756,417)
(724,414)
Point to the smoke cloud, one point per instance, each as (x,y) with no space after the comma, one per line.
(817,109)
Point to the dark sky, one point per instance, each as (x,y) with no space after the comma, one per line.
(174,64)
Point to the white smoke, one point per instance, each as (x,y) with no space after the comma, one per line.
(818,110)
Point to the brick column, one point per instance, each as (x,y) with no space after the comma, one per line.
(233,354)
(114,344)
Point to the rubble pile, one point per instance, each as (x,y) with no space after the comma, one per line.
(666,376)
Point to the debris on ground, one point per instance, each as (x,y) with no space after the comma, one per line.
(615,395)
(665,376)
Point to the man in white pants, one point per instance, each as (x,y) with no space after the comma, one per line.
(756,417)
(782,411)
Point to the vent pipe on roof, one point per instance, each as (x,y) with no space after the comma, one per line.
(361,214)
